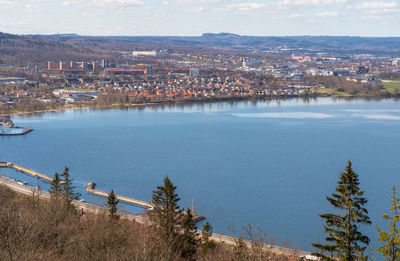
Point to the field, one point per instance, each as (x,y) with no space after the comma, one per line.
(392,86)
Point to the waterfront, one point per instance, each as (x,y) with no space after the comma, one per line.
(266,163)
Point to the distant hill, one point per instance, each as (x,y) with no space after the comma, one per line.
(41,48)
(38,49)
(345,44)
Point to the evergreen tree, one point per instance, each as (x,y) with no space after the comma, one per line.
(112,203)
(206,243)
(67,188)
(55,187)
(344,240)
(391,251)
(166,216)
(189,237)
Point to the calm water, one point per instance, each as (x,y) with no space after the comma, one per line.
(266,163)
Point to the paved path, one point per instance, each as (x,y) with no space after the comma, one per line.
(143,219)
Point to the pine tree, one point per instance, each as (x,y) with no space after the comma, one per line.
(189,237)
(55,187)
(67,188)
(112,203)
(344,240)
(166,216)
(206,243)
(391,251)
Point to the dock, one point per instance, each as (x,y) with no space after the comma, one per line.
(82,206)
(5,120)
(24,131)
(91,189)
(86,208)
(25,170)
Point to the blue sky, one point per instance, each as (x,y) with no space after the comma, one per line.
(194,17)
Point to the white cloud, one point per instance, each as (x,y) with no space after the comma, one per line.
(327,14)
(103,3)
(288,3)
(377,5)
(117,3)
(296,15)
(245,7)
(195,10)
(197,1)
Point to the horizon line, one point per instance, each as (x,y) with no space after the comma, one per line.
(201,35)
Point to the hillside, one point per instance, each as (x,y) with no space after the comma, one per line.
(20,49)
(35,49)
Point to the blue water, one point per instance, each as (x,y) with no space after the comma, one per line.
(270,164)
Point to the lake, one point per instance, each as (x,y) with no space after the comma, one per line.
(268,163)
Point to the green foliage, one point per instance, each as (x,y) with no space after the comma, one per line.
(344,240)
(67,188)
(112,203)
(189,240)
(206,243)
(55,187)
(166,215)
(391,250)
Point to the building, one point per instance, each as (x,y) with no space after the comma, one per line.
(144,53)
(104,63)
(51,66)
(149,70)
(150,53)
(194,72)
(12,80)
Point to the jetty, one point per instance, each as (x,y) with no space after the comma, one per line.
(143,219)
(23,132)
(9,124)
(90,187)
(25,170)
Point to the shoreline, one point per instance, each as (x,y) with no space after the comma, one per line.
(189,101)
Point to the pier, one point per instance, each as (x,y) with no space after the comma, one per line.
(25,170)
(23,132)
(143,219)
(9,124)
(91,189)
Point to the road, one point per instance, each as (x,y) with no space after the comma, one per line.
(86,207)
(143,219)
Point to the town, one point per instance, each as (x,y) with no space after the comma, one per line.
(170,75)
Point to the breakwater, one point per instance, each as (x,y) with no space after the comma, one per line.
(90,187)
(25,170)
(9,133)
(86,208)
(10,127)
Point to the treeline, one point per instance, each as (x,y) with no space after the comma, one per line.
(27,105)
(35,229)
(338,84)
(390,76)
(18,50)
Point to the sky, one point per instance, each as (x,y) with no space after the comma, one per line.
(195,17)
